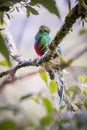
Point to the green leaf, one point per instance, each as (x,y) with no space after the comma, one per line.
(28,11)
(32,3)
(48,105)
(79,104)
(35,99)
(25,97)
(4,63)
(48,4)
(43,75)
(7,125)
(53,86)
(1,18)
(46,120)
(74,89)
(80,78)
(32,10)
(4,50)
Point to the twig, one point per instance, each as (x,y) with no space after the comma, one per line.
(10,80)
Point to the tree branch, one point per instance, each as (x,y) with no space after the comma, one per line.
(10,44)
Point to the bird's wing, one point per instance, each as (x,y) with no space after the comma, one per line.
(45,39)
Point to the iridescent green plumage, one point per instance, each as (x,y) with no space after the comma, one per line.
(42,38)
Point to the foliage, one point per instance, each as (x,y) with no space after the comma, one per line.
(10,5)
(4,52)
(49,4)
(8,124)
(53,87)
(43,75)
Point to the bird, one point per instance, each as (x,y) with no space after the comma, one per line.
(42,39)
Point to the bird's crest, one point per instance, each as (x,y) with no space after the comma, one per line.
(44,28)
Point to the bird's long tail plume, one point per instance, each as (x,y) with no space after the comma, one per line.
(61,88)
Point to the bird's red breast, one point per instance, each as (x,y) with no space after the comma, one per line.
(38,49)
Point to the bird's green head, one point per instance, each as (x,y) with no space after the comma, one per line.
(44,28)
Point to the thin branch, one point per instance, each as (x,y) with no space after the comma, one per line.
(10,80)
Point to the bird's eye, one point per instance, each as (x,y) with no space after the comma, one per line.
(45,31)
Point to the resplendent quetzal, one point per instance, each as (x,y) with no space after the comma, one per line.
(42,39)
